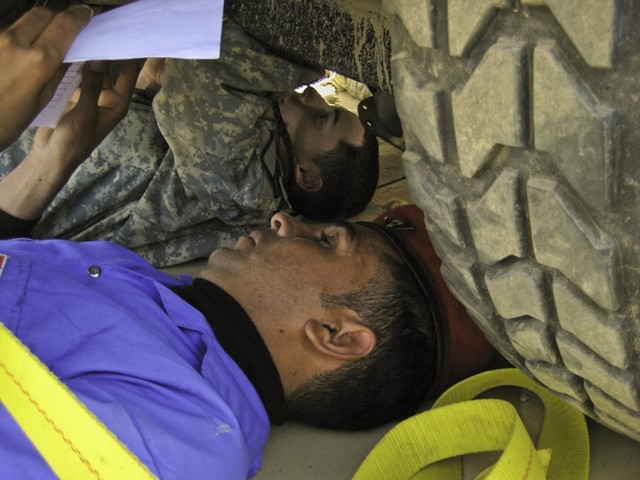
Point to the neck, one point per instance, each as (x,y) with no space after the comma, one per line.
(286,163)
(241,340)
(284,150)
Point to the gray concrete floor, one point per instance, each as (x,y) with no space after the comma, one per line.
(297,451)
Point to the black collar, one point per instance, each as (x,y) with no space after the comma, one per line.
(239,337)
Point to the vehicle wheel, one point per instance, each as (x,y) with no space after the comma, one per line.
(521,122)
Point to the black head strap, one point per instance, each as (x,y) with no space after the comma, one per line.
(282,130)
(391,229)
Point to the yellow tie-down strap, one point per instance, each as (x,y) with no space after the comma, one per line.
(71,439)
(430,445)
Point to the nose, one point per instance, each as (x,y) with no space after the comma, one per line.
(288,226)
(311,97)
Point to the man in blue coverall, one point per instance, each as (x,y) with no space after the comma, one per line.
(342,326)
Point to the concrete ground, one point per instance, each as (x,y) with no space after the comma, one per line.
(298,452)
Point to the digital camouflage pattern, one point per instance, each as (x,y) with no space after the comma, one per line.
(192,172)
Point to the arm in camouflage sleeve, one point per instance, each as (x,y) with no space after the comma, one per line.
(207,111)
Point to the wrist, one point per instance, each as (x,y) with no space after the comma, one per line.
(52,161)
(26,192)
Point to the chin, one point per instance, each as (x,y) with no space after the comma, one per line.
(218,255)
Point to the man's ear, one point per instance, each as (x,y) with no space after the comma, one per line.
(309,179)
(342,336)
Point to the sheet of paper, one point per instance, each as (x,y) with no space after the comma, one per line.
(152,28)
(146,28)
(49,115)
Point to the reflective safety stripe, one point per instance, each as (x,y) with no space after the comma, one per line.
(71,439)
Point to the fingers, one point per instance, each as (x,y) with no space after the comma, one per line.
(63,29)
(127,78)
(29,27)
(118,100)
(49,89)
(91,87)
(57,26)
(96,80)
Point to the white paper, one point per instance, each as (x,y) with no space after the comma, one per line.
(49,115)
(146,28)
(152,28)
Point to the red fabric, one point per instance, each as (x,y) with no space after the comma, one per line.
(466,350)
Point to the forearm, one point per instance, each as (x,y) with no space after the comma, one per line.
(27,191)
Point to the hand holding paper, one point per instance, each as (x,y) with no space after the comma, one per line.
(146,28)
(27,190)
(31,54)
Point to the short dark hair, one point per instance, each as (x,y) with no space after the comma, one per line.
(394,379)
(349,180)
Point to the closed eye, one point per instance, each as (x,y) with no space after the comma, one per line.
(339,234)
(322,117)
(325,240)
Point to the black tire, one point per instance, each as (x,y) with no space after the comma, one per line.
(521,122)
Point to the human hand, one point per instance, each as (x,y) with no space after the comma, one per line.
(31,55)
(89,118)
(28,189)
(152,74)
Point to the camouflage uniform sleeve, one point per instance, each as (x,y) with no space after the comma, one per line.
(208,110)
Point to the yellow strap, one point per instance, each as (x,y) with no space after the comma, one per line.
(430,445)
(70,438)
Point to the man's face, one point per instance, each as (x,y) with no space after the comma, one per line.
(279,276)
(316,127)
(289,266)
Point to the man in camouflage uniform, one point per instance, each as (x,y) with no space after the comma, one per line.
(204,163)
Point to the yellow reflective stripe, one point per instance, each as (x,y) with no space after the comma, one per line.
(429,445)
(71,439)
